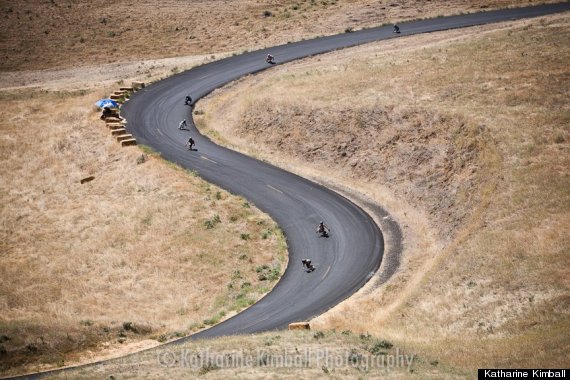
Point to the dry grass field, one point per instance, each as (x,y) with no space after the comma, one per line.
(65,33)
(85,267)
(469,130)
(144,243)
(284,355)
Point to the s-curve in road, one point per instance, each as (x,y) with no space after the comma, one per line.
(351,255)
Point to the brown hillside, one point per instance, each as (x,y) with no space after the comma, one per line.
(65,33)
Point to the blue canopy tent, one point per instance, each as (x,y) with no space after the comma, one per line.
(107,103)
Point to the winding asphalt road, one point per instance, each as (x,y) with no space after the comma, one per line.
(353,253)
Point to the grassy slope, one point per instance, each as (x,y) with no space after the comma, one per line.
(43,34)
(131,246)
(284,355)
(486,110)
(76,35)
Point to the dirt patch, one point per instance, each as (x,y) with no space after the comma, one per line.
(104,75)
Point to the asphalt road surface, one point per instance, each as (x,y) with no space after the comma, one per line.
(352,254)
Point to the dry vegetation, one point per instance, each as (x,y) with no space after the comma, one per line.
(63,33)
(286,355)
(144,242)
(84,266)
(468,128)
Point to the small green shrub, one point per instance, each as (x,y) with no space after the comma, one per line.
(211,321)
(211,223)
(236,275)
(273,274)
(141,159)
(261,268)
(207,368)
(378,347)
(319,335)
(266,273)
(354,356)
(365,336)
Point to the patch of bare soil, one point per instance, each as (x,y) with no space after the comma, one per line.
(104,75)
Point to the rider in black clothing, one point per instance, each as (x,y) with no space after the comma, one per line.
(322,229)
(190,143)
(106,113)
(307,264)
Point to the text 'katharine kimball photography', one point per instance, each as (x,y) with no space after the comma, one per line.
(294,358)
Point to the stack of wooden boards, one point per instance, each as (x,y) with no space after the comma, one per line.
(114,122)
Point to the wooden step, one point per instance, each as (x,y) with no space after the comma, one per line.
(129,142)
(125,136)
(118,132)
(112,120)
(299,326)
(113,126)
